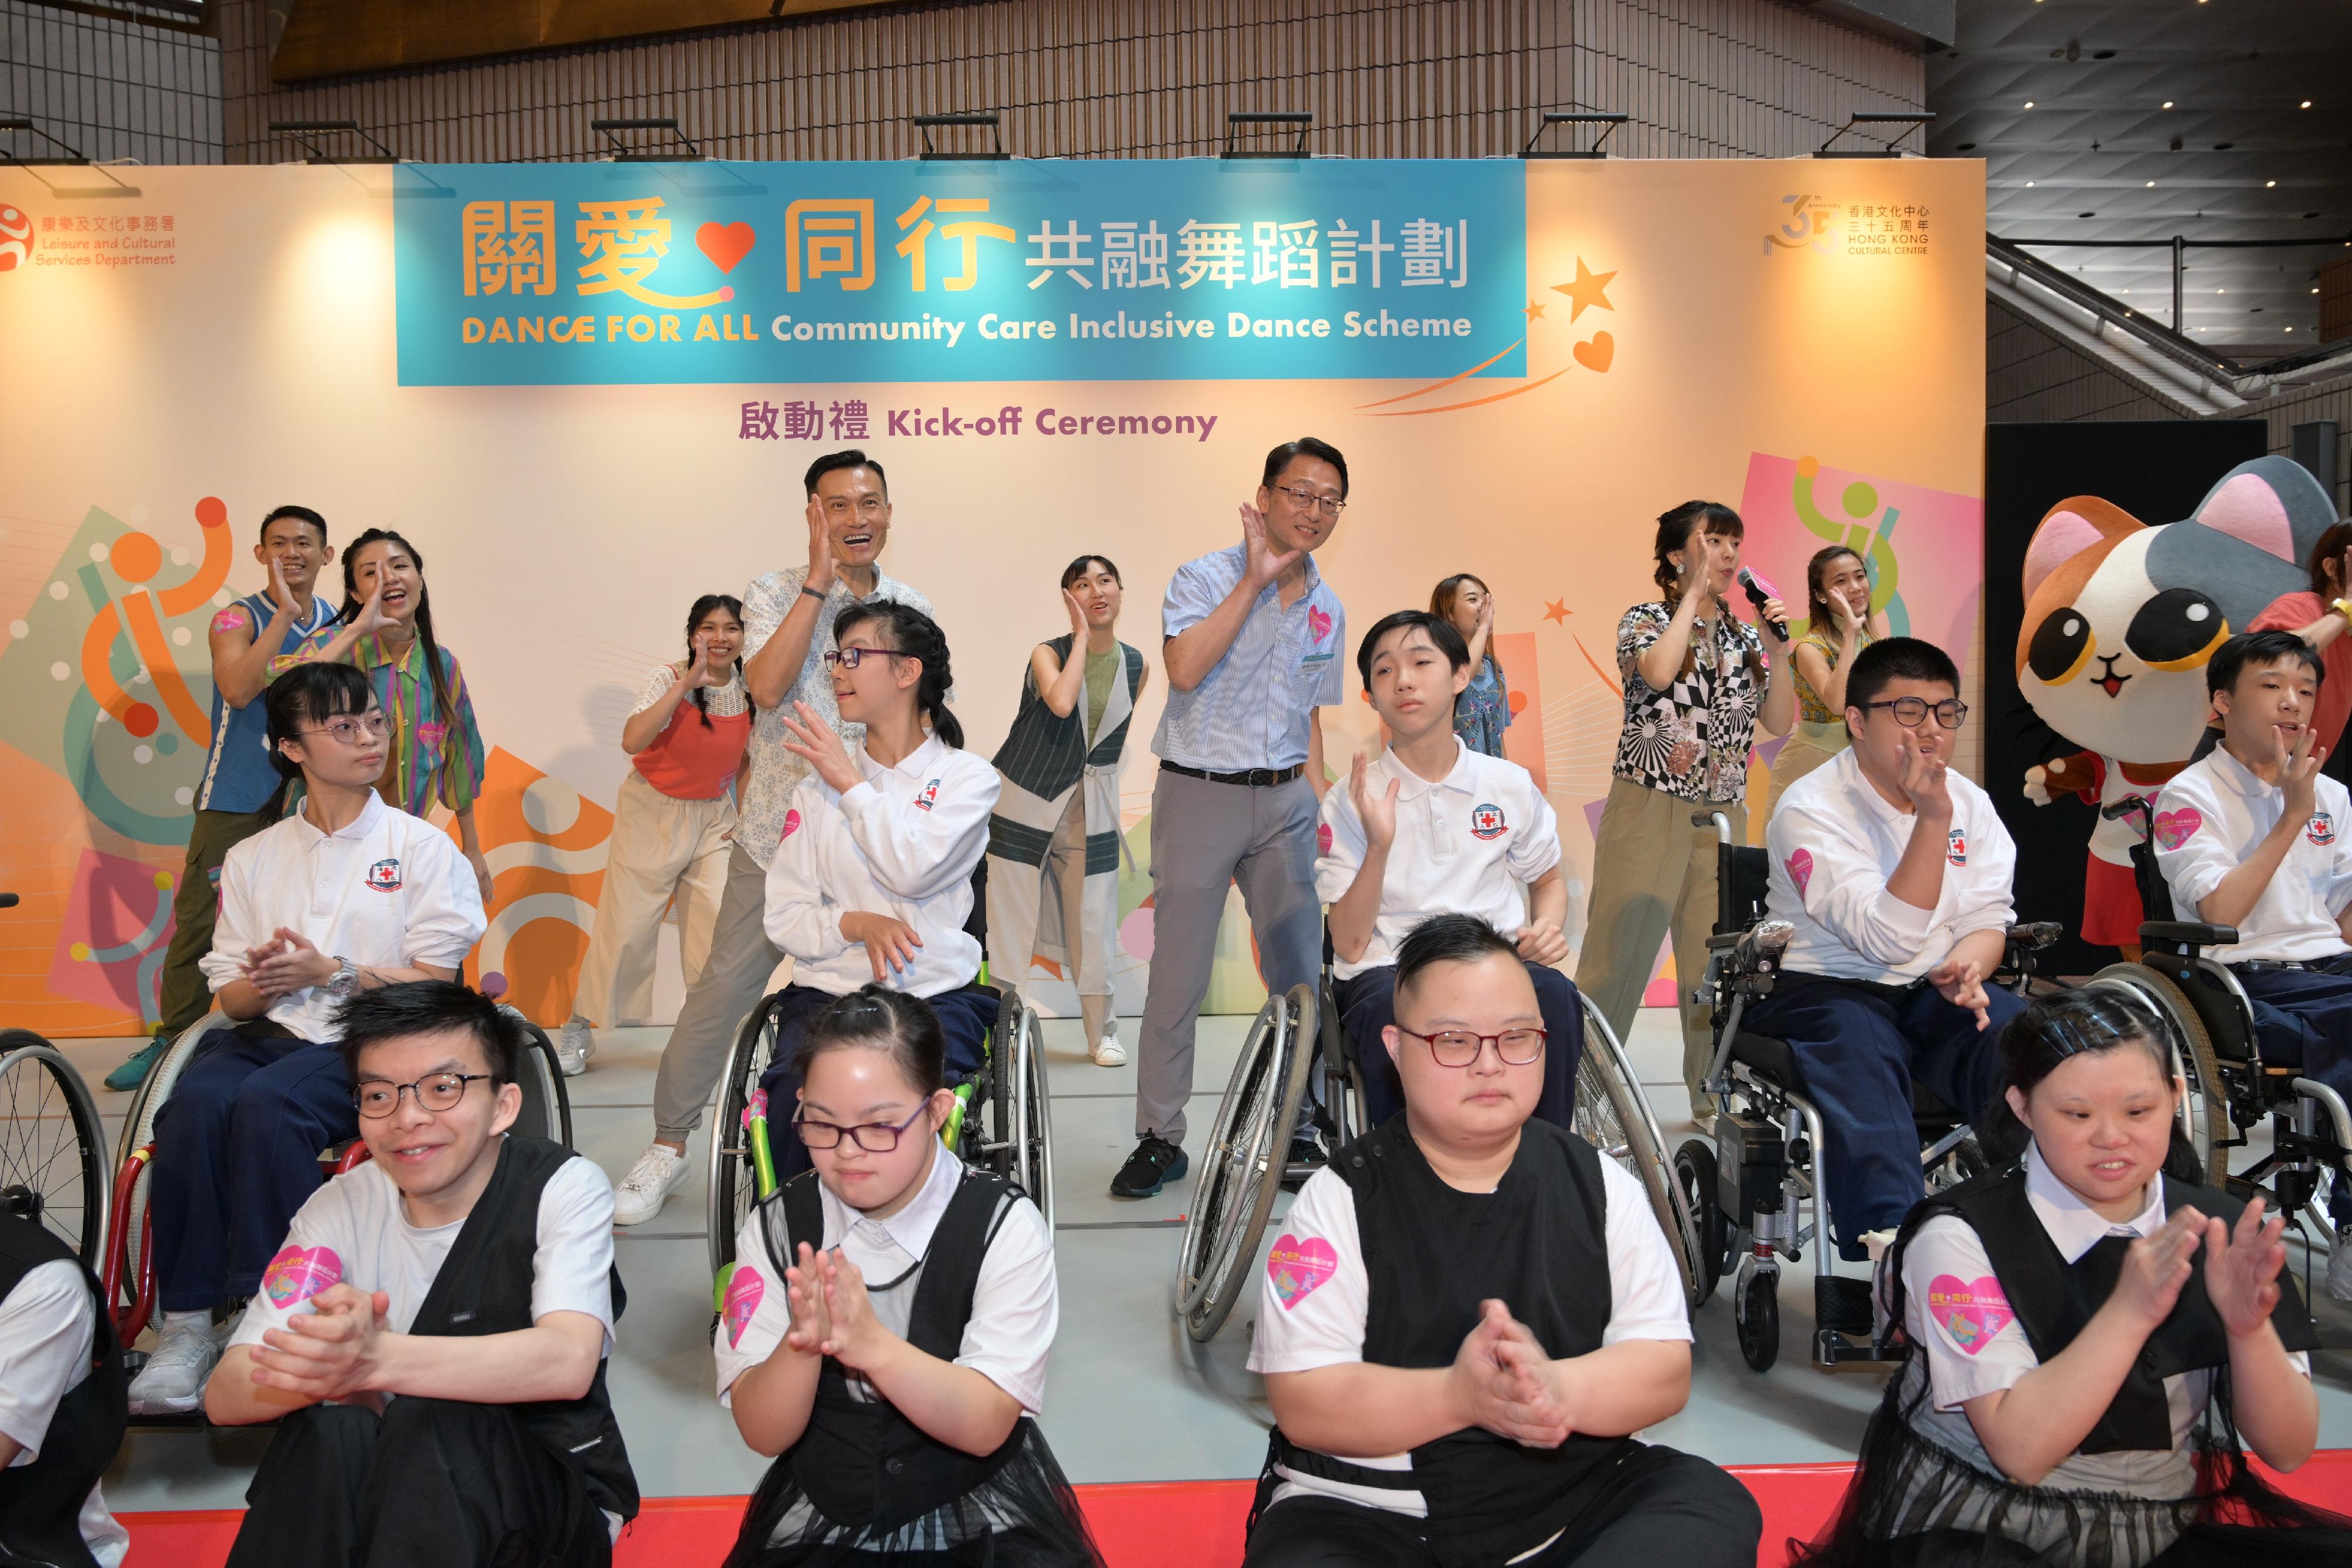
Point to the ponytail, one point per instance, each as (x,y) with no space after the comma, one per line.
(442,709)
(918,636)
(702,607)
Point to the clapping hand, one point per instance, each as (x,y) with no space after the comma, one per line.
(287,963)
(820,548)
(1497,1389)
(855,1334)
(2242,1268)
(328,1352)
(2155,1267)
(804,1297)
(1377,810)
(1261,564)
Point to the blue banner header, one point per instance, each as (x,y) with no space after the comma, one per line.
(1190,269)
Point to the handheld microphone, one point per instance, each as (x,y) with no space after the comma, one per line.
(1759,590)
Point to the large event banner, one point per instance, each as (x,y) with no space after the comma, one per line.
(588,394)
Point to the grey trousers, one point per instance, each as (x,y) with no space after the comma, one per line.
(734,977)
(1204,837)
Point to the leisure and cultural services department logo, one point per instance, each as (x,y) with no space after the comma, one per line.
(15,237)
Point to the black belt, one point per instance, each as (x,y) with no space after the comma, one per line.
(1255,777)
(2265,966)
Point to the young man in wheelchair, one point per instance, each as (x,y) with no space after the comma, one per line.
(1468,1314)
(1895,873)
(346,895)
(2254,836)
(1434,827)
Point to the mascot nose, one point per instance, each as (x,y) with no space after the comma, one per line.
(2107,680)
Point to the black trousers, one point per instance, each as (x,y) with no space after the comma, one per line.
(1660,1509)
(431,1483)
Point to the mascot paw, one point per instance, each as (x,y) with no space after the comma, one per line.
(2037,786)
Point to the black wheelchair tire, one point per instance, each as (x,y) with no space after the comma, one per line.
(28,1110)
(1758,1323)
(1695,1174)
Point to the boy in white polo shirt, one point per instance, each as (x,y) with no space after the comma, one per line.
(346,895)
(1895,874)
(1454,831)
(2253,835)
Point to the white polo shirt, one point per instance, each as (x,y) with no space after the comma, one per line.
(1317,1293)
(904,843)
(1014,1305)
(1835,840)
(387,890)
(2208,820)
(1464,845)
(46,1337)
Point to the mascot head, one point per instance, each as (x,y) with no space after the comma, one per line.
(2120,617)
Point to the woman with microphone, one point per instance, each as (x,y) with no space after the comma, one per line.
(1697,682)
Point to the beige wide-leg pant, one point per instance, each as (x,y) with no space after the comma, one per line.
(662,848)
(1654,875)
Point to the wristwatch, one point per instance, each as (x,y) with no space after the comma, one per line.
(346,980)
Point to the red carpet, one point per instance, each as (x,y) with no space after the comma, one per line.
(1172,1524)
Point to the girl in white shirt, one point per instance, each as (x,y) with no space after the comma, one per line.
(886,1330)
(872,883)
(2091,1336)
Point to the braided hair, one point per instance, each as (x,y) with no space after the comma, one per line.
(918,636)
(702,607)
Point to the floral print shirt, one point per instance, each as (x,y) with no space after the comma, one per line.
(1691,739)
(1483,711)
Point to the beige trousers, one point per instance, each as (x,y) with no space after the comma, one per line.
(662,849)
(1653,875)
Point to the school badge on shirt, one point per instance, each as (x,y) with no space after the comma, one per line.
(929,798)
(1487,821)
(1956,847)
(385,876)
(2322,831)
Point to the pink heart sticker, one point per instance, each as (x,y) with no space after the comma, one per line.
(791,825)
(1297,1266)
(1800,870)
(1323,837)
(1972,1311)
(1318,622)
(2176,828)
(298,1274)
(743,1293)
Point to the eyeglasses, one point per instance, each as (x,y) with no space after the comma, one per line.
(874,1137)
(1307,501)
(1460,1047)
(847,657)
(1912,711)
(439,1092)
(376,723)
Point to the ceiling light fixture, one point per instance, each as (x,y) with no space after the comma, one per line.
(2168,103)
(2268,184)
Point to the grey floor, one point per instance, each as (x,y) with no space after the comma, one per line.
(1131,1397)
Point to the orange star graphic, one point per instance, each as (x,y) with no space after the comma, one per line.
(1587,291)
(1556,609)
(1534,310)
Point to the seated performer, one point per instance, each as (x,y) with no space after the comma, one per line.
(431,1339)
(2089,1338)
(873,879)
(893,1302)
(1454,831)
(347,894)
(2254,835)
(1894,872)
(1468,1310)
(61,1415)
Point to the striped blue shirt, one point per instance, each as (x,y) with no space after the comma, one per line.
(1251,709)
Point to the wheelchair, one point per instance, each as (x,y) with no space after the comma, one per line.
(127,1272)
(49,1140)
(1247,1158)
(1750,1186)
(1003,1120)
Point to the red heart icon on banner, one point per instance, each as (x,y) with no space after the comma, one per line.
(725,244)
(1596,351)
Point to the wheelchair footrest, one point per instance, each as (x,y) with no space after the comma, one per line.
(1844,1330)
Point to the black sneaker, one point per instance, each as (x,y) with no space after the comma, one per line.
(1155,1163)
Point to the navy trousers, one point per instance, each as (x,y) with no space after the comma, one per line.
(966,1015)
(2303,1018)
(1858,1051)
(237,1152)
(1368,1006)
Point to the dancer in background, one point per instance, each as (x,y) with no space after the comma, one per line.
(1056,826)
(1483,711)
(686,738)
(1840,625)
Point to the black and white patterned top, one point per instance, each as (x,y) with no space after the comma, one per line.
(1690,740)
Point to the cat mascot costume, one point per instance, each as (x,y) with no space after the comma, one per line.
(2120,619)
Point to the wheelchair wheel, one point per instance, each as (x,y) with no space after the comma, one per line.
(734,1175)
(2207,1107)
(1342,1113)
(1613,1116)
(139,1132)
(1241,1168)
(546,1103)
(1020,1117)
(1695,1178)
(51,1170)
(1758,1305)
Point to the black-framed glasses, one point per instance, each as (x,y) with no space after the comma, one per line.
(1308,501)
(1912,711)
(346,729)
(1460,1047)
(874,1137)
(440,1092)
(847,657)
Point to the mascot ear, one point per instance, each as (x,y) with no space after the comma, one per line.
(2071,527)
(2247,505)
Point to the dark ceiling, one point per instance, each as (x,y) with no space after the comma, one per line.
(2215,120)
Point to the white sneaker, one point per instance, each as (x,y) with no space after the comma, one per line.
(172,1381)
(656,1174)
(574,1046)
(2339,1266)
(1107,1051)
